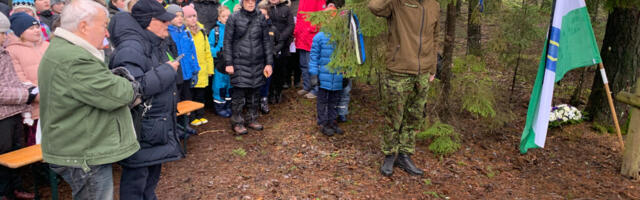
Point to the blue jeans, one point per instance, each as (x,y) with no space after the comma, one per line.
(345,97)
(264,90)
(304,67)
(97,183)
(140,183)
(326,106)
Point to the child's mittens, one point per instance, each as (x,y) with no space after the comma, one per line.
(27,119)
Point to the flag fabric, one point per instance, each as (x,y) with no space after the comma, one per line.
(571,44)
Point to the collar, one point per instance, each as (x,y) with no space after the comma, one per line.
(78,41)
(152,37)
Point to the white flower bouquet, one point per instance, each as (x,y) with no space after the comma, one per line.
(564,114)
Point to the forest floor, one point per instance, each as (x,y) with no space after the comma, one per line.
(290,159)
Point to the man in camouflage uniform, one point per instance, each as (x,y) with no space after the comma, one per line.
(411,65)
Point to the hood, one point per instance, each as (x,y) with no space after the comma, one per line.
(124,27)
(13,40)
(174,29)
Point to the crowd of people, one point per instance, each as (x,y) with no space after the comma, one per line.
(97,83)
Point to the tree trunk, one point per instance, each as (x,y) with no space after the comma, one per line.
(631,155)
(474,33)
(449,46)
(621,56)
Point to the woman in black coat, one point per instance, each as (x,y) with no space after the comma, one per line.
(248,53)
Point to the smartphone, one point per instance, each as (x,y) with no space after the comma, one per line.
(179,58)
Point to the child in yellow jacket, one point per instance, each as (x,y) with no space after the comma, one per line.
(205,60)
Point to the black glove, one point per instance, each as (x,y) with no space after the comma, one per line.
(137,89)
(314,81)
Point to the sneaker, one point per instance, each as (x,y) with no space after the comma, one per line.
(310,95)
(204,121)
(196,122)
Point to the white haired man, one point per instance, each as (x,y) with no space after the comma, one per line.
(85,114)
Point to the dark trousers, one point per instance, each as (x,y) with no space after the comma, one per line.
(199,95)
(279,76)
(264,90)
(11,138)
(242,98)
(184,90)
(140,183)
(293,68)
(326,104)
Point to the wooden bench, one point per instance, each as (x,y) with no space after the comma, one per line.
(185,108)
(26,156)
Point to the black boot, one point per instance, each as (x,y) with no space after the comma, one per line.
(404,162)
(337,129)
(264,105)
(327,130)
(387,167)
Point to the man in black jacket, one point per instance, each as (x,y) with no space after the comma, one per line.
(138,39)
(281,17)
(248,53)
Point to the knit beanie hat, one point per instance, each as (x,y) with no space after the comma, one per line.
(30,4)
(188,11)
(4,24)
(173,8)
(20,22)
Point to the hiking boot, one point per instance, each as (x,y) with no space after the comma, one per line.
(255,126)
(310,95)
(264,105)
(240,129)
(196,122)
(342,119)
(404,162)
(327,130)
(302,92)
(337,129)
(387,166)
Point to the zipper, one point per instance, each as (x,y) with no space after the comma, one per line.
(420,39)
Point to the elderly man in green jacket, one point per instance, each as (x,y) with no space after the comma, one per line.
(411,66)
(86,122)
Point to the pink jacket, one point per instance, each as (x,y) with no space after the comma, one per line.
(13,93)
(304,31)
(26,58)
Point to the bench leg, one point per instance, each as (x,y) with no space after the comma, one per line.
(53,181)
(35,182)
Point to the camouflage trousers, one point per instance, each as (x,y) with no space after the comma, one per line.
(404,99)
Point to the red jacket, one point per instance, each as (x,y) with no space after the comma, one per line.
(304,31)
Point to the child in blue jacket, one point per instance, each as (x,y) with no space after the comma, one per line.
(221,81)
(330,84)
(184,43)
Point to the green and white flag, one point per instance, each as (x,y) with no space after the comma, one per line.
(571,44)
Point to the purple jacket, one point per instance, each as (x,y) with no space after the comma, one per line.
(13,93)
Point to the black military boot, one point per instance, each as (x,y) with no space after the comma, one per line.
(387,167)
(404,162)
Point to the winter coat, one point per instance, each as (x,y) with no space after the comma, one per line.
(247,48)
(13,92)
(207,12)
(413,28)
(319,57)
(280,16)
(85,114)
(141,52)
(304,31)
(26,59)
(184,42)
(205,60)
(216,40)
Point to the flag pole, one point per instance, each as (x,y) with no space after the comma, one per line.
(611,106)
